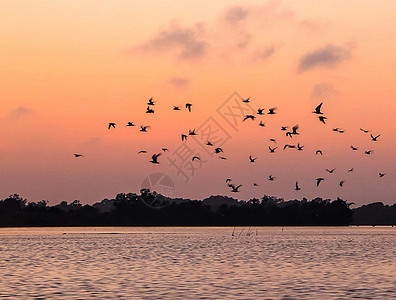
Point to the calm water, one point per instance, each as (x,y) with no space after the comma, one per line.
(198,263)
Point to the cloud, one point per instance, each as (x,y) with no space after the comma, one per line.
(327,57)
(235,15)
(179,82)
(19,113)
(323,90)
(264,53)
(187,42)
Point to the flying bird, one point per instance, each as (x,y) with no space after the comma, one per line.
(297,187)
(150,102)
(271,178)
(368,152)
(273,140)
(176,108)
(322,119)
(381,174)
(247,100)
(350,170)
(284,128)
(319,152)
(252,159)
(318,109)
(330,171)
(129,124)
(299,148)
(271,111)
(218,150)
(248,117)
(294,129)
(261,124)
(374,138)
(154,158)
(354,148)
(272,150)
(260,111)
(255,184)
(192,132)
(195,157)
(235,189)
(318,181)
(111,125)
(143,128)
(149,110)
(341,184)
(78,155)
(209,143)
(222,157)
(164,149)
(142,151)
(364,130)
(183,137)
(228,180)
(188,106)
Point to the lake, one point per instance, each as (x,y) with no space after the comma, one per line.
(198,263)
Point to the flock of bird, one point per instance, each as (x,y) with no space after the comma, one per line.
(260,111)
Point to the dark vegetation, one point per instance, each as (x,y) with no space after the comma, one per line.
(151,209)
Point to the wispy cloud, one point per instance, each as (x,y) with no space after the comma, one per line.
(323,90)
(264,53)
(186,42)
(19,113)
(327,57)
(235,15)
(179,82)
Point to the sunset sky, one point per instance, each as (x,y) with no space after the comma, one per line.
(70,67)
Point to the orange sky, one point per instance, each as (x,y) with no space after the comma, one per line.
(70,67)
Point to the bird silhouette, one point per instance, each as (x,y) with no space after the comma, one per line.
(341,183)
(248,117)
(330,171)
(318,109)
(381,174)
(319,152)
(143,128)
(284,128)
(247,100)
(364,130)
(142,151)
(260,111)
(354,148)
(368,152)
(228,180)
(271,178)
(255,184)
(222,157)
(351,170)
(150,102)
(261,124)
(272,150)
(192,132)
(235,189)
(78,155)
(374,138)
(183,137)
(176,108)
(164,149)
(251,159)
(130,124)
(318,181)
(297,187)
(322,119)
(271,111)
(294,130)
(111,125)
(149,110)
(289,146)
(195,157)
(300,147)
(218,150)
(188,106)
(209,143)
(154,158)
